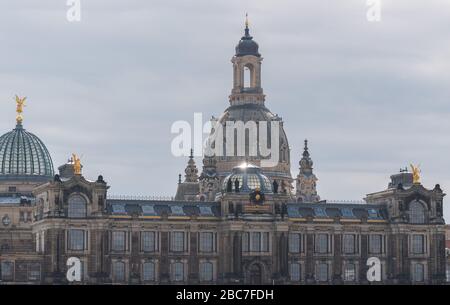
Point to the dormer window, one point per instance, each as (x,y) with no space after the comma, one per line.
(373,214)
(347,213)
(177,210)
(320,212)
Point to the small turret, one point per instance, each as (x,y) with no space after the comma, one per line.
(306,180)
(191,171)
(189,189)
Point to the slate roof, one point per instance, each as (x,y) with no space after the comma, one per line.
(118,207)
(156,208)
(332,210)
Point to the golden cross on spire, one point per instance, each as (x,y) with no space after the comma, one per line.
(20,102)
(246,20)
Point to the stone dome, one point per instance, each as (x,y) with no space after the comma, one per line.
(256,113)
(247,46)
(250,177)
(24,156)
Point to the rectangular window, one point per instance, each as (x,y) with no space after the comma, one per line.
(38,242)
(42,243)
(118,241)
(375,243)
(321,244)
(256,242)
(349,243)
(7,271)
(76,240)
(294,243)
(350,272)
(206,271)
(148,242)
(418,272)
(119,271)
(294,272)
(418,246)
(148,271)
(322,272)
(447,272)
(206,242)
(259,241)
(265,242)
(34,272)
(178,242)
(245,242)
(178,272)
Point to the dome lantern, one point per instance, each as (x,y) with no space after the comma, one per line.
(247,46)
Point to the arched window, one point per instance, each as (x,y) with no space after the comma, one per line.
(77,207)
(247,76)
(416,212)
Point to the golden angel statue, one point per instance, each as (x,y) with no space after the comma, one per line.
(20,102)
(76,164)
(416,174)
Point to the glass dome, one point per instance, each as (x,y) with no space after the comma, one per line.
(24,156)
(249,178)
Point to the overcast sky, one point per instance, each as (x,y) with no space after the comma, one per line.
(371,97)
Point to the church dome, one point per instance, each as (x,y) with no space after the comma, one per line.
(255,113)
(247,46)
(24,156)
(249,177)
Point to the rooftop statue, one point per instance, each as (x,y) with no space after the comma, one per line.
(19,109)
(76,164)
(416,174)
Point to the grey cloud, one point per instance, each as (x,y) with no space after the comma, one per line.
(371,97)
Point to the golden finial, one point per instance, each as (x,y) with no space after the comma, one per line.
(246,20)
(20,102)
(416,173)
(76,164)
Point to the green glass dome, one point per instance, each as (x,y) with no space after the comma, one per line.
(23,156)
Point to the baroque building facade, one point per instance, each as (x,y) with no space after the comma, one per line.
(235,222)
